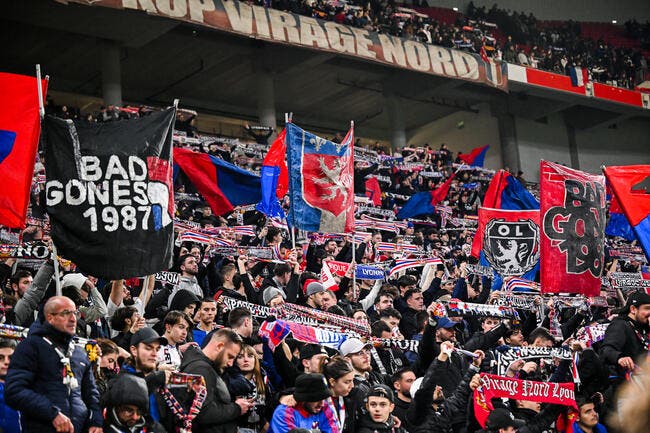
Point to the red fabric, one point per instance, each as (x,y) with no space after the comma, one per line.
(373,191)
(493,386)
(203,174)
(635,203)
(495,188)
(20,125)
(469,158)
(440,193)
(485,215)
(572,209)
(277,157)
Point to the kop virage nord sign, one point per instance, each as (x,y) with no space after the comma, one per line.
(109,193)
(572,211)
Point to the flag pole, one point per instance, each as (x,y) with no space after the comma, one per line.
(39,87)
(354,252)
(41,111)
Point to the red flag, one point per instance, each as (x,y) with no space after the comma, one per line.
(572,219)
(484,55)
(373,191)
(276,157)
(509,239)
(440,193)
(19,131)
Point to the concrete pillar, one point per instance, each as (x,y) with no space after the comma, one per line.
(395,119)
(265,86)
(509,143)
(573,144)
(111,73)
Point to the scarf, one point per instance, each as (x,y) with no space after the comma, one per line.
(194,383)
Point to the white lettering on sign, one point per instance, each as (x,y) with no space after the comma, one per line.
(117,194)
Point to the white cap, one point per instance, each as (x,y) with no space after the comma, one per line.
(76,280)
(352,346)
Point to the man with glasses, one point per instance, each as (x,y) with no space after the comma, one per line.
(359,353)
(50,380)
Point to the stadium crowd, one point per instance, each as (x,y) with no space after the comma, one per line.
(107,354)
(501,34)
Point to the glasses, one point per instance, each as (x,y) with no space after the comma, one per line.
(66,313)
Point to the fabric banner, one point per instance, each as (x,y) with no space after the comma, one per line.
(280,27)
(405,345)
(510,239)
(28,250)
(401,265)
(109,193)
(457,308)
(573,230)
(635,202)
(363,272)
(19,131)
(321,182)
(505,359)
(279,329)
(493,386)
(168,277)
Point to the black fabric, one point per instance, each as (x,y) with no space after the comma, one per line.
(110,193)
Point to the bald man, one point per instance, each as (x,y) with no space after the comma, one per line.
(50,379)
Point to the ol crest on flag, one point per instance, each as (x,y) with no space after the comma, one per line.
(511,247)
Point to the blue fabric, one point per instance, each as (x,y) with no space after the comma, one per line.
(269,205)
(516,197)
(240,186)
(287,418)
(198,335)
(599,428)
(418,204)
(9,421)
(642,231)
(479,161)
(618,225)
(34,383)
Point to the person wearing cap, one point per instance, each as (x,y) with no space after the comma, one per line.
(310,412)
(359,353)
(143,363)
(311,356)
(50,379)
(501,420)
(314,292)
(378,418)
(273,296)
(85,295)
(626,338)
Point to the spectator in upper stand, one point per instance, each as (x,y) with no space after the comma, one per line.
(382,301)
(415,303)
(126,321)
(240,320)
(626,337)
(177,325)
(220,410)
(402,380)
(189,270)
(380,403)
(314,293)
(9,418)
(205,320)
(404,284)
(310,412)
(30,295)
(360,177)
(127,407)
(327,300)
(49,400)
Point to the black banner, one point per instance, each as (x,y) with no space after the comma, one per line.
(110,195)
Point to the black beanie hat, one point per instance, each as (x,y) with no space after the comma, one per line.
(311,387)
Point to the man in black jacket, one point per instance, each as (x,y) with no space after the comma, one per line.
(626,338)
(218,414)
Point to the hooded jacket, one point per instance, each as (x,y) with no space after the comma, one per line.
(367,425)
(620,341)
(34,383)
(219,413)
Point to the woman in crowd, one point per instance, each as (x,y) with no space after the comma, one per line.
(339,375)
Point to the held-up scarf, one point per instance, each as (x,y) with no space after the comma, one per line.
(194,383)
(493,386)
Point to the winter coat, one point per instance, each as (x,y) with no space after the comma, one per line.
(219,413)
(34,383)
(367,425)
(423,418)
(620,341)
(286,418)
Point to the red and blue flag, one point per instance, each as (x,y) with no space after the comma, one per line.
(321,182)
(19,131)
(424,203)
(476,157)
(223,185)
(635,202)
